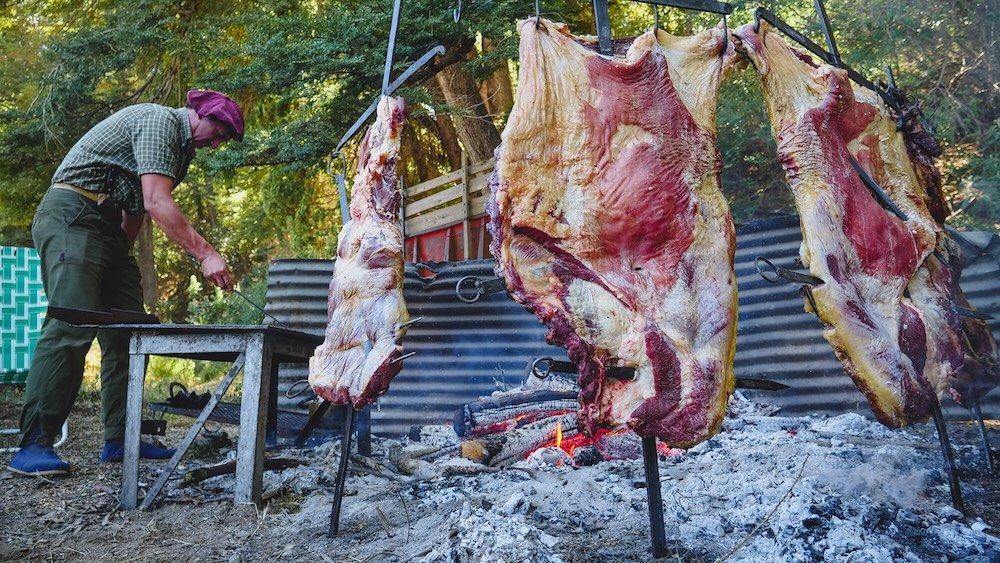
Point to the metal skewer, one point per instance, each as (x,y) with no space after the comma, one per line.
(259,308)
(248,300)
(403,357)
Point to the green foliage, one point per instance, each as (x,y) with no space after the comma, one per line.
(976,202)
(304,72)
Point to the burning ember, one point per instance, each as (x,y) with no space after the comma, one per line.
(605,445)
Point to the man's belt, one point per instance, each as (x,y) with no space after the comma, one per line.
(95,197)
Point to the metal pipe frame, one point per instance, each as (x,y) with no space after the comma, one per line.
(345,454)
(651,464)
(723,8)
(421,62)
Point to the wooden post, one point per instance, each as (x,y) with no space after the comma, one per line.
(133,422)
(256,394)
(466,180)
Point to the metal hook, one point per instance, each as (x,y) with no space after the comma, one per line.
(777,273)
(476,283)
(725,34)
(457,12)
(806,291)
(544,373)
(345,212)
(756,20)
(292,392)
(772,275)
(656,17)
(889,75)
(538,14)
(329,163)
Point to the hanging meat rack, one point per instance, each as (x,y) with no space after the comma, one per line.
(364,416)
(900,104)
(471,289)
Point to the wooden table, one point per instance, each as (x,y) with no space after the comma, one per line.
(258,349)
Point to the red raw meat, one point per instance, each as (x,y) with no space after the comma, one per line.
(610,225)
(888,300)
(360,352)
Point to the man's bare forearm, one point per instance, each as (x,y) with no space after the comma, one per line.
(168,217)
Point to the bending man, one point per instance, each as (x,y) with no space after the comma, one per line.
(84,229)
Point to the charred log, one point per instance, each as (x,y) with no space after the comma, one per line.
(507,412)
(504,449)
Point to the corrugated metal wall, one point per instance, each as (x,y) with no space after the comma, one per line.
(465,351)
(777,339)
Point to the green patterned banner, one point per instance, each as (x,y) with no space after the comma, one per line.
(22,310)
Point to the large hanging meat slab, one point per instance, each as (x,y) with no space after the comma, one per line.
(361,353)
(609,224)
(888,299)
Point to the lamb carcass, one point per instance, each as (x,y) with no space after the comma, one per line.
(361,353)
(609,224)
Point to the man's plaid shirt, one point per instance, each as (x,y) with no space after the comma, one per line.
(139,139)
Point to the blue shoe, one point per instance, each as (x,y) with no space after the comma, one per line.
(114,451)
(33,459)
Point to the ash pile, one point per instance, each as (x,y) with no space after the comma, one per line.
(766,488)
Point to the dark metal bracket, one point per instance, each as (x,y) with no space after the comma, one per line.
(603,21)
(471,288)
(543,367)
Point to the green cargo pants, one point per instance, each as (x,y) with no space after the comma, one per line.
(85,265)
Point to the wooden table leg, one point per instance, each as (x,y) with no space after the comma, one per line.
(271,380)
(192,433)
(133,424)
(256,394)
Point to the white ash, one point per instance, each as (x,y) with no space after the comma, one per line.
(766,489)
(498,534)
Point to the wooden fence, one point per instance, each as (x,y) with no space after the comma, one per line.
(452,199)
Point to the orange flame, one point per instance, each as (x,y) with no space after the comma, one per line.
(559,434)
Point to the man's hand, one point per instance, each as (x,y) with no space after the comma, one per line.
(214,268)
(160,205)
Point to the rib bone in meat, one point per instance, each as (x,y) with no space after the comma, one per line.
(609,224)
(366,312)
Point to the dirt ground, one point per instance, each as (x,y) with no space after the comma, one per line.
(78,518)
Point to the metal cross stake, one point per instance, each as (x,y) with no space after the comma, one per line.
(603,23)
(832,57)
(387,89)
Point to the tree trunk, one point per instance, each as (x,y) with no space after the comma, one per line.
(449,140)
(146,259)
(497,91)
(476,130)
(412,149)
(445,128)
